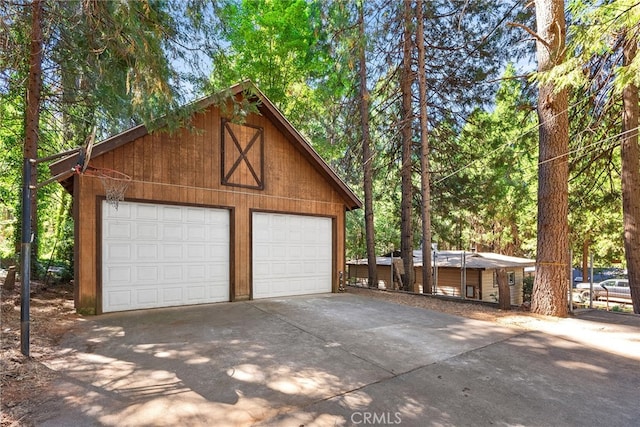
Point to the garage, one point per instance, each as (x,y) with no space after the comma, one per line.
(219,210)
(292,254)
(158,255)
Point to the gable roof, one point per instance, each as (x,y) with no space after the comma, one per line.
(453,259)
(63,168)
(481,260)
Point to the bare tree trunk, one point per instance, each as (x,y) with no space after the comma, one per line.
(406,232)
(367,156)
(551,286)
(424,153)
(32,114)
(504,292)
(631,179)
(585,259)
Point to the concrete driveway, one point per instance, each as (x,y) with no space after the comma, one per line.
(339,360)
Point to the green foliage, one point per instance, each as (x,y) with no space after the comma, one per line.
(486,192)
(108,65)
(594,43)
(11,136)
(282,46)
(527,288)
(116,64)
(594,71)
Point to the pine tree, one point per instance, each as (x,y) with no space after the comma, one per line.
(552,259)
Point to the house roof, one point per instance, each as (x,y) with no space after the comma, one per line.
(63,167)
(453,259)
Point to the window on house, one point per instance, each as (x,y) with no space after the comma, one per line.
(511,276)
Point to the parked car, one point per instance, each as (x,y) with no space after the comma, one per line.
(614,289)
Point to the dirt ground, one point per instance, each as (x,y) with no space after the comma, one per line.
(25,381)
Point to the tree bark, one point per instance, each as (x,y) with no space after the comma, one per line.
(630,154)
(551,285)
(406,232)
(32,114)
(585,259)
(367,160)
(504,292)
(425,190)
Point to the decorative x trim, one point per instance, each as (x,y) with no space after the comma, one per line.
(246,166)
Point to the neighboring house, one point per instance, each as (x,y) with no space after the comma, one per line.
(221,212)
(453,272)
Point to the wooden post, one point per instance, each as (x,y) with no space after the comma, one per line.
(10,280)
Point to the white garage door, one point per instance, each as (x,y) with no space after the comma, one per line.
(291,255)
(161,255)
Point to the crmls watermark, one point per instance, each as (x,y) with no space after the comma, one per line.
(376,418)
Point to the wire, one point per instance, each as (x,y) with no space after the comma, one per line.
(216,190)
(589,146)
(536,127)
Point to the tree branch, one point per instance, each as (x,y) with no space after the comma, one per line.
(530,31)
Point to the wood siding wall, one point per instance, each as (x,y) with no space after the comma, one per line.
(490,293)
(449,279)
(185,168)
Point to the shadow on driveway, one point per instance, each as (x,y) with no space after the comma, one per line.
(336,360)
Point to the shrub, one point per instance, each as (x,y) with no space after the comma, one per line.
(527,288)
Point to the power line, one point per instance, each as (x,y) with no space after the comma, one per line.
(589,146)
(533,128)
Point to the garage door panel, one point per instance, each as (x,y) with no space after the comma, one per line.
(195,252)
(218,274)
(217,251)
(289,254)
(119,231)
(119,299)
(147,297)
(146,252)
(117,251)
(196,215)
(146,212)
(195,272)
(172,296)
(123,212)
(147,231)
(196,294)
(172,214)
(147,274)
(171,232)
(171,252)
(197,233)
(171,273)
(177,255)
(121,274)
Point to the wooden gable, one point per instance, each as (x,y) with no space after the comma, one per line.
(246,154)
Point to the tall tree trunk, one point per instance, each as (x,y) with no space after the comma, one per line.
(551,285)
(504,291)
(32,114)
(406,232)
(424,153)
(631,179)
(367,161)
